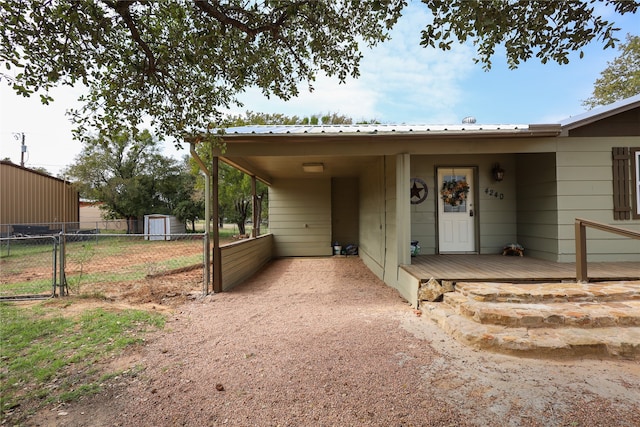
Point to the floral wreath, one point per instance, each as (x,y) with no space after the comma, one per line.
(454,192)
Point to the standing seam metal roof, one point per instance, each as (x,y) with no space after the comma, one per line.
(366,128)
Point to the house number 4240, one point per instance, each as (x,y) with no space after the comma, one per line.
(493,193)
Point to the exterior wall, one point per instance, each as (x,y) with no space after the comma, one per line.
(585,182)
(344,210)
(90,214)
(537,205)
(495,201)
(29,197)
(300,217)
(240,260)
(91,217)
(622,124)
(372,217)
(391,223)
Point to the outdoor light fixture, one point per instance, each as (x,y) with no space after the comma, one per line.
(313,167)
(497,172)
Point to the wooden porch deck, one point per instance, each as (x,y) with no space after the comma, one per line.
(513,269)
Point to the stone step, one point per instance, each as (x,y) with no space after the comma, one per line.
(548,315)
(555,342)
(550,292)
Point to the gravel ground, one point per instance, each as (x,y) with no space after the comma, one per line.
(323,342)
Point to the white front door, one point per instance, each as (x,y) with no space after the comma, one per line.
(456,211)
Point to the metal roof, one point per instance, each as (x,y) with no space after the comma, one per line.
(367,129)
(599,113)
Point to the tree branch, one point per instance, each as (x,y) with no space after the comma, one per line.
(122,9)
(215,11)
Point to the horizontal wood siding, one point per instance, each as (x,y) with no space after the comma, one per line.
(372,217)
(240,260)
(300,217)
(585,190)
(391,229)
(496,201)
(537,205)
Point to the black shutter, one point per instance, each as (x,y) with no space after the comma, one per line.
(621,193)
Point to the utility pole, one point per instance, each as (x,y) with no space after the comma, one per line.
(23,147)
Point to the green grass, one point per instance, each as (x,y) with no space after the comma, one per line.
(32,287)
(48,357)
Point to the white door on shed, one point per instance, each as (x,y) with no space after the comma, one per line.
(157,227)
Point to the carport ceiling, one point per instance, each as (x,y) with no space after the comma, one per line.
(268,168)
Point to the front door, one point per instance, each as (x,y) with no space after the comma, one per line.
(456,212)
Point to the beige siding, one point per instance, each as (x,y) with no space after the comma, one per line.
(91,217)
(585,182)
(372,217)
(537,205)
(391,229)
(29,197)
(240,260)
(496,215)
(497,202)
(300,217)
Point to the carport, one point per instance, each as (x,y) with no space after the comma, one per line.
(348,184)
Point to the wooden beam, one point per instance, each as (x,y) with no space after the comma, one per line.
(217,253)
(581,252)
(254,212)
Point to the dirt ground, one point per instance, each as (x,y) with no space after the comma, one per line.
(323,342)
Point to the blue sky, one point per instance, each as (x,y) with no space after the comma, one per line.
(400,82)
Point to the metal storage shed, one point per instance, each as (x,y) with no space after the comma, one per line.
(161,227)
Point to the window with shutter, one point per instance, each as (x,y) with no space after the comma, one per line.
(635,180)
(621,187)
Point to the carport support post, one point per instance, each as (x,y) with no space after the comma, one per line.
(403,208)
(255,206)
(217,254)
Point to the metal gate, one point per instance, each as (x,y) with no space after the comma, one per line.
(41,267)
(28,268)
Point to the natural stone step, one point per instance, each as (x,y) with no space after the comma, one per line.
(603,342)
(549,315)
(550,292)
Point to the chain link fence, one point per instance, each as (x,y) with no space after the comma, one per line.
(77,227)
(134,266)
(27,267)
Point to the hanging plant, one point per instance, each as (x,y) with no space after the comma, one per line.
(454,192)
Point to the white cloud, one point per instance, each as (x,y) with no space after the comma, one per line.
(46,127)
(400,81)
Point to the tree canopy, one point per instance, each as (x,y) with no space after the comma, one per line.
(621,78)
(132,178)
(182,63)
(548,29)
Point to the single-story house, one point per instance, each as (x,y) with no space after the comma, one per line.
(457,189)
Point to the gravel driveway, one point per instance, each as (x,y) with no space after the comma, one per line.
(323,342)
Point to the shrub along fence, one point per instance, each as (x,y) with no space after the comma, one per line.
(100,264)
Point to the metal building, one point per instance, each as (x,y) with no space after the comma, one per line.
(32,197)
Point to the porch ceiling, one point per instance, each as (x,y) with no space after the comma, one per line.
(268,168)
(273,152)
